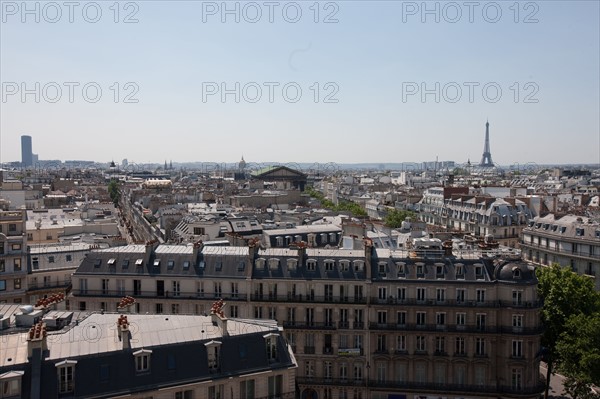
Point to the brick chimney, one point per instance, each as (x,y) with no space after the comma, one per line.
(36,338)
(301,246)
(198,247)
(218,317)
(123,331)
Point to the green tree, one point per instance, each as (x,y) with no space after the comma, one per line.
(395,218)
(578,354)
(565,294)
(113,191)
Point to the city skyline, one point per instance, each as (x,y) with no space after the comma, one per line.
(182,82)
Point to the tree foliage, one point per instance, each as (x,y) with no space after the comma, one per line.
(344,206)
(395,218)
(113,191)
(570,303)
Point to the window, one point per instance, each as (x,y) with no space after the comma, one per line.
(66,376)
(97,262)
(480,321)
(401,343)
(2,285)
(381,343)
(247,390)
(216,392)
(420,294)
(401,294)
(271,345)
(382,317)
(359,265)
(479,271)
(440,319)
(175,308)
(17,283)
(517,322)
(401,318)
(343,371)
(460,320)
(125,264)
(459,270)
(329,265)
(357,372)
(111,261)
(440,294)
(420,343)
(517,377)
(10,384)
(439,271)
(309,369)
(440,345)
(328,368)
(480,295)
(517,348)
(460,346)
(186,265)
(328,292)
(480,346)
(421,318)
(142,360)
(3,267)
(187,394)
(382,266)
(170,264)
(69,258)
(461,295)
(275,386)
(17,264)
(382,293)
(345,265)
(159,308)
(517,298)
(213,351)
(176,288)
(311,265)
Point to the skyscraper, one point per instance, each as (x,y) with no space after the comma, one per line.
(26,153)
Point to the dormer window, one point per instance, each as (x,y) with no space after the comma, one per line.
(97,262)
(401,269)
(311,265)
(10,383)
(439,270)
(66,375)
(291,264)
(157,264)
(142,360)
(170,264)
(139,262)
(563,229)
(279,241)
(478,271)
(125,264)
(213,350)
(241,266)
(111,261)
(420,270)
(579,232)
(260,263)
(271,344)
(460,270)
(345,265)
(219,266)
(186,265)
(273,263)
(382,268)
(516,272)
(329,263)
(359,265)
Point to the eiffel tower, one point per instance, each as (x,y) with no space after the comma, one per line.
(486,159)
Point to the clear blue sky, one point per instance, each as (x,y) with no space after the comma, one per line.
(373,56)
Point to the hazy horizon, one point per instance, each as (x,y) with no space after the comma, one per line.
(343,81)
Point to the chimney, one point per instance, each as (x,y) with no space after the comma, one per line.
(218,317)
(123,331)
(150,247)
(253,247)
(36,338)
(368,256)
(301,252)
(198,247)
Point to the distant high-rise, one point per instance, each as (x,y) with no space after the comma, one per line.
(26,153)
(486,159)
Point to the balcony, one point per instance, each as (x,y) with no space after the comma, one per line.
(446,388)
(308,325)
(65,284)
(309,350)
(299,298)
(466,328)
(456,303)
(153,294)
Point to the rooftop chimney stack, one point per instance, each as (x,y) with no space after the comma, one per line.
(218,317)
(198,247)
(123,331)
(36,338)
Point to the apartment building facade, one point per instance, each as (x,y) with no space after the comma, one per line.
(363,323)
(570,240)
(13,257)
